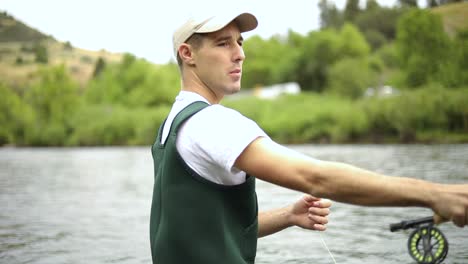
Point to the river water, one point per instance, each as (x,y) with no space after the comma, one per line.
(91,205)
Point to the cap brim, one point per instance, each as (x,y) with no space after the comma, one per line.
(245,22)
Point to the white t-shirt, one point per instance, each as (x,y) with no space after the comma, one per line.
(211,140)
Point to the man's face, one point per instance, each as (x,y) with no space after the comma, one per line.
(218,62)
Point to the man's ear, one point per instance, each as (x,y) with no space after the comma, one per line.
(186,54)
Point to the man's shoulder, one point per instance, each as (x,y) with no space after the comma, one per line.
(220,113)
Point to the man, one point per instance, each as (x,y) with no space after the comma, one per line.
(207,157)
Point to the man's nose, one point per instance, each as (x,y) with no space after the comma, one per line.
(239,53)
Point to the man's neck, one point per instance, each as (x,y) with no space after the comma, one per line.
(191,83)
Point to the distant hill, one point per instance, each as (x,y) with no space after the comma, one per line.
(12,30)
(454,16)
(20,45)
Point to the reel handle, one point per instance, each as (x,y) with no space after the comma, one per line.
(411,223)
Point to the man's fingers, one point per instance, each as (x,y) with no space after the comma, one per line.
(319,211)
(310,199)
(318,219)
(438,219)
(459,220)
(319,227)
(322,203)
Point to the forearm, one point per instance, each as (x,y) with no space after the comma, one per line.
(346,183)
(274,163)
(272,221)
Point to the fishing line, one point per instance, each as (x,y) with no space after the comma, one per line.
(329,252)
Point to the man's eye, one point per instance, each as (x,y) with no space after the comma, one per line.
(240,43)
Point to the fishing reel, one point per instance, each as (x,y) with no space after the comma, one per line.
(426,244)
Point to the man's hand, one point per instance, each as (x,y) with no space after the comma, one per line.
(451,203)
(310,213)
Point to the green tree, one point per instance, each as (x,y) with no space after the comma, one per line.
(353,43)
(432,3)
(134,82)
(461,54)
(409,3)
(41,53)
(351,10)
(330,15)
(372,5)
(15,116)
(259,55)
(442,2)
(388,54)
(67,46)
(54,100)
(424,47)
(378,22)
(319,51)
(263,67)
(350,77)
(99,67)
(160,87)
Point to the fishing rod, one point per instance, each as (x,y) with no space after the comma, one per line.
(426,244)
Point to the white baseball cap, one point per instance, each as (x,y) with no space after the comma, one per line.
(207,24)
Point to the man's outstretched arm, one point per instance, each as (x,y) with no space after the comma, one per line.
(345,183)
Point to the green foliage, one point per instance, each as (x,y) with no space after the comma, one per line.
(424,47)
(315,119)
(126,102)
(353,44)
(86,59)
(351,77)
(460,55)
(388,54)
(379,24)
(134,83)
(41,53)
(53,100)
(432,3)
(99,67)
(330,16)
(414,113)
(261,56)
(67,46)
(15,117)
(375,38)
(19,60)
(409,3)
(351,10)
(371,5)
(160,87)
(425,115)
(322,49)
(319,51)
(116,125)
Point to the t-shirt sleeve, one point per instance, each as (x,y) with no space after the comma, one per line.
(217,135)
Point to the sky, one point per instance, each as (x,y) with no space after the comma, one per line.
(144,27)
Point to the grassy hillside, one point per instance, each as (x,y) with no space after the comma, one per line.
(19,45)
(454,16)
(12,30)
